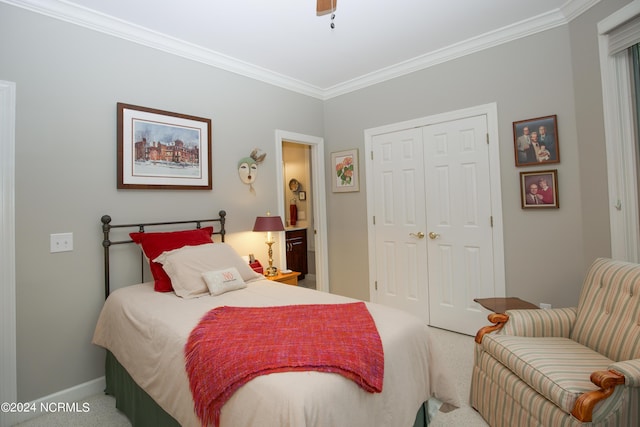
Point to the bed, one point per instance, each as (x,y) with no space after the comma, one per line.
(146,332)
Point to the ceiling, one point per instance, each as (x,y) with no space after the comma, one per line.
(283,42)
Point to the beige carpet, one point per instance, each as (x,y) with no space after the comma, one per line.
(457,347)
(459,351)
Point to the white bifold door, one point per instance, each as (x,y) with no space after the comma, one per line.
(433,222)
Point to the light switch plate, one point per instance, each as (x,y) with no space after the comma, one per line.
(61,242)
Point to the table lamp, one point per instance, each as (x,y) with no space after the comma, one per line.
(269,224)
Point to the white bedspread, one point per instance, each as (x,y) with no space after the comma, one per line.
(146,331)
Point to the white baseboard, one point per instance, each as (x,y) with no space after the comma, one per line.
(70,395)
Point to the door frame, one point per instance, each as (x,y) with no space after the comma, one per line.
(317,195)
(491,111)
(620,130)
(8,362)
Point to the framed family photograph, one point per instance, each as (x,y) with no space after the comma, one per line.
(536,141)
(539,189)
(345,171)
(162,150)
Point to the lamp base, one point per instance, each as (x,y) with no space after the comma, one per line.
(271,271)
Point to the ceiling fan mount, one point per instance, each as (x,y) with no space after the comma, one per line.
(324,7)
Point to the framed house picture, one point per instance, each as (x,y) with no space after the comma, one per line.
(539,189)
(162,150)
(345,171)
(536,141)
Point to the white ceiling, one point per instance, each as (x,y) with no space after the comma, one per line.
(283,42)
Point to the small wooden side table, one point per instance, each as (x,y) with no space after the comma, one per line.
(500,305)
(290,278)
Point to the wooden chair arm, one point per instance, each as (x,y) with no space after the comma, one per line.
(498,320)
(607,381)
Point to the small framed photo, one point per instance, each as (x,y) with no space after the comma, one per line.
(345,171)
(536,141)
(539,189)
(302,195)
(162,150)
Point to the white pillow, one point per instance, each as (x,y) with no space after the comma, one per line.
(185,266)
(221,281)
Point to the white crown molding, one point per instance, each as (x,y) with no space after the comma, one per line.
(84,17)
(555,18)
(574,8)
(476,44)
(65,11)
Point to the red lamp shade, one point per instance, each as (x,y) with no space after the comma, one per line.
(268,223)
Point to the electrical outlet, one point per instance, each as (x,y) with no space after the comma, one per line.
(545,306)
(61,242)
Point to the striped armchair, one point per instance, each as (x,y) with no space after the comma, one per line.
(568,366)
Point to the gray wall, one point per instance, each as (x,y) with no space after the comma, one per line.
(554,72)
(68,82)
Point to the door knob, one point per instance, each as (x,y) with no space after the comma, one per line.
(433,235)
(419,235)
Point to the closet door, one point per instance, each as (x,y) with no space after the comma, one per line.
(432,213)
(460,245)
(400,221)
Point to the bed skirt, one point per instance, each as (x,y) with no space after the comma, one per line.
(143,411)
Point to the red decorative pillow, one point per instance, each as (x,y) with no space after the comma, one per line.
(154,244)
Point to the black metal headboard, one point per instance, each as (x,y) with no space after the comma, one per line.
(140,227)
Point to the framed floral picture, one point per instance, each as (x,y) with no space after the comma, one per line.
(345,171)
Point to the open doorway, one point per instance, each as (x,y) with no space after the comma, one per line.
(305,155)
(298,211)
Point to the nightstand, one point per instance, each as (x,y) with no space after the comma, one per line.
(286,278)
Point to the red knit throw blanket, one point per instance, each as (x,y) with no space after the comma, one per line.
(232,345)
